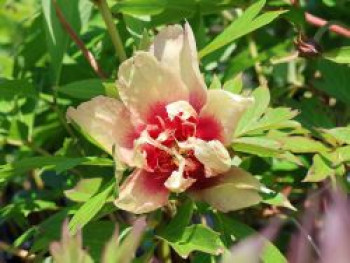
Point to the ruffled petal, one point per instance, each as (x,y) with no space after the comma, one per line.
(213,155)
(107,122)
(142,192)
(233,190)
(226,108)
(176,182)
(146,86)
(175,47)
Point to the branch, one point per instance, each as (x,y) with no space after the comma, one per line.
(21,253)
(73,35)
(320,22)
(112,29)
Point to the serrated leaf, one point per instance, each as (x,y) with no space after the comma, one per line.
(276,118)
(198,238)
(320,169)
(341,155)
(260,146)
(184,239)
(298,144)
(261,102)
(341,134)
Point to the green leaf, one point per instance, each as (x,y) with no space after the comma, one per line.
(341,134)
(84,189)
(140,7)
(56,37)
(243,60)
(179,222)
(341,155)
(234,85)
(320,169)
(11,89)
(198,238)
(89,88)
(57,163)
(334,80)
(261,102)
(230,227)
(49,229)
(96,240)
(278,199)
(90,208)
(215,83)
(298,144)
(260,146)
(243,25)
(340,55)
(276,118)
(185,239)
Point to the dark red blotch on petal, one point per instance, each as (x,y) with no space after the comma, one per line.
(208,128)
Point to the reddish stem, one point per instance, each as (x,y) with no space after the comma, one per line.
(320,22)
(73,35)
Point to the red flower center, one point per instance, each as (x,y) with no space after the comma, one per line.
(168,133)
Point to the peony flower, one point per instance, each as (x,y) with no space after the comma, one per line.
(170,128)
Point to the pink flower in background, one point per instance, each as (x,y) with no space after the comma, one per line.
(170,128)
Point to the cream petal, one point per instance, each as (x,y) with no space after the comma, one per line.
(213,155)
(176,182)
(146,86)
(107,122)
(175,47)
(182,108)
(142,192)
(227,109)
(233,190)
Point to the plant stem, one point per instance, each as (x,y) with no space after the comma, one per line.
(113,32)
(258,69)
(21,253)
(74,36)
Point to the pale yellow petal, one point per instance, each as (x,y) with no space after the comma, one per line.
(175,47)
(146,86)
(107,122)
(176,182)
(213,155)
(233,190)
(180,108)
(227,109)
(142,192)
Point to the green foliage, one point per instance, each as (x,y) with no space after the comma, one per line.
(184,239)
(295,138)
(243,25)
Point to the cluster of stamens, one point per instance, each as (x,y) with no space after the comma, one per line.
(162,145)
